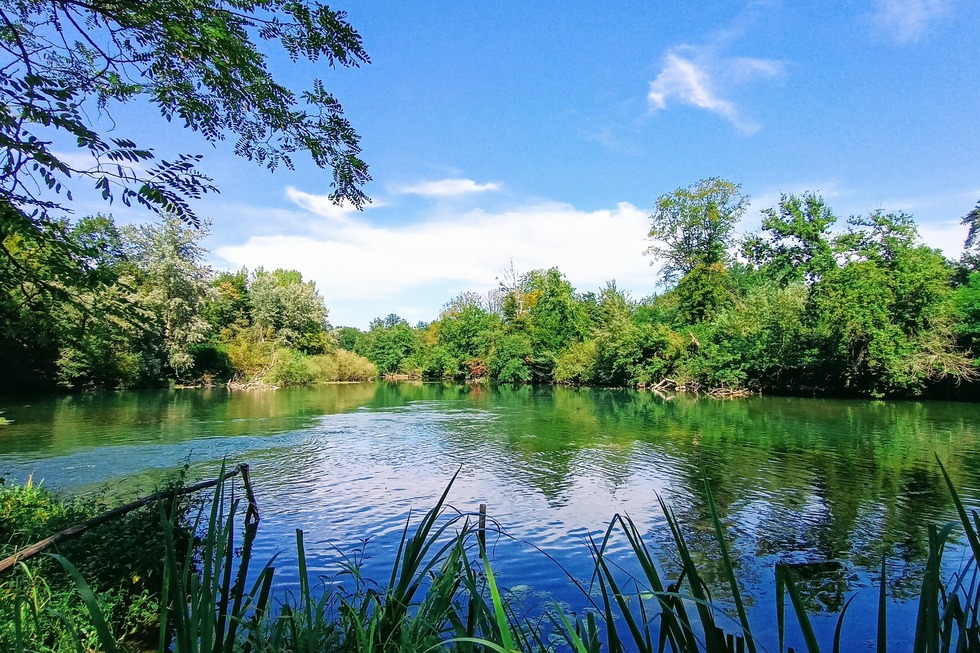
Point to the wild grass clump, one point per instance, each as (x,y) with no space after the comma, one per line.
(442,595)
(121,560)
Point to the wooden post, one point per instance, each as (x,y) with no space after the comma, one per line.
(481,534)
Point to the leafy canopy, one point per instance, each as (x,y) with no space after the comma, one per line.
(66,63)
(694,226)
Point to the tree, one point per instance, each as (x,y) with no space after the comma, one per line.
(173,283)
(795,244)
(692,232)
(971,257)
(99,333)
(884,322)
(387,343)
(465,333)
(693,226)
(293,310)
(543,305)
(227,304)
(66,63)
(49,300)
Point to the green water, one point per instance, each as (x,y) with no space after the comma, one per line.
(801,480)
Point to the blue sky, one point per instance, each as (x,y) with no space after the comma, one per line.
(543,134)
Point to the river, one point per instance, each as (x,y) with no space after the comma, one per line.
(798,480)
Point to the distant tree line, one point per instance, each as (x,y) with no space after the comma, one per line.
(105,307)
(864,310)
(803,305)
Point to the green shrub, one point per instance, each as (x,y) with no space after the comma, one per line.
(250,351)
(291,367)
(295,368)
(577,363)
(352,367)
(121,560)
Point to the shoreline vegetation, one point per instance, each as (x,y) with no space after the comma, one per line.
(802,306)
(442,593)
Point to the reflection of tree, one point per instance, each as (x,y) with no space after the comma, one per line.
(68,424)
(804,481)
(795,480)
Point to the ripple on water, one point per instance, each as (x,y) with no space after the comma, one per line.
(793,479)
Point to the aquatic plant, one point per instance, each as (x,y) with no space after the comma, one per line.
(442,594)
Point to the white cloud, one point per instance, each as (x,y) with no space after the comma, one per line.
(358,260)
(447,188)
(905,21)
(699,77)
(947,236)
(322,205)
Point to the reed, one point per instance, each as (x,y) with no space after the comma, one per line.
(442,594)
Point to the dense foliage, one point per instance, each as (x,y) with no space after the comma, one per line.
(120,559)
(797,306)
(148,311)
(82,305)
(802,305)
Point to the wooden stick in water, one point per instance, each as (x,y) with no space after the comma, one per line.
(481,534)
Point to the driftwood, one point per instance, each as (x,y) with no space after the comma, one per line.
(251,515)
(729,393)
(666,384)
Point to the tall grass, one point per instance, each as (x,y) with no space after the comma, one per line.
(442,594)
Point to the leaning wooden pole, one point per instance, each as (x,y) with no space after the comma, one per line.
(68,533)
(481,533)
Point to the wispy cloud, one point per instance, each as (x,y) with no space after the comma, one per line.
(447,188)
(700,77)
(321,205)
(610,136)
(906,21)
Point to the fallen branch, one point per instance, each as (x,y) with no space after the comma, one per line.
(251,515)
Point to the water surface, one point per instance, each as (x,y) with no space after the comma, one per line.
(800,480)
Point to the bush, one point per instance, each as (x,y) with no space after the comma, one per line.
(577,363)
(352,367)
(291,367)
(121,560)
(211,361)
(250,352)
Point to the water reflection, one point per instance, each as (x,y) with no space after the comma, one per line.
(829,486)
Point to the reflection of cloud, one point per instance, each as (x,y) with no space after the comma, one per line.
(697,76)
(907,20)
(447,188)
(359,260)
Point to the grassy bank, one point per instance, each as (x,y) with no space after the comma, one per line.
(209,594)
(40,608)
